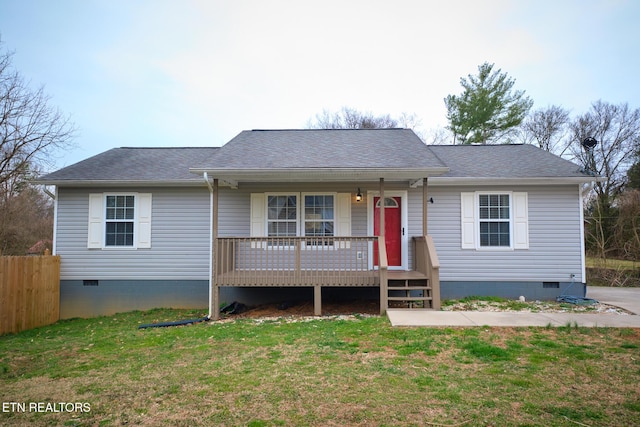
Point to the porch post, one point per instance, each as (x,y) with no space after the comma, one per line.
(381,228)
(317,300)
(425,204)
(384,293)
(215,292)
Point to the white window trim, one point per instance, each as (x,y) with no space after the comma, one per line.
(300,212)
(303,221)
(341,216)
(518,221)
(97,228)
(300,216)
(266,210)
(479,220)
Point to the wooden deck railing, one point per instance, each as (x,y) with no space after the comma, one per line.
(295,261)
(426,260)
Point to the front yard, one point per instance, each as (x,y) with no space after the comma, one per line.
(353,370)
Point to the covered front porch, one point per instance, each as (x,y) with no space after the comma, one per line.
(293,213)
(325,261)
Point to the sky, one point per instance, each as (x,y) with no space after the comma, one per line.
(157,73)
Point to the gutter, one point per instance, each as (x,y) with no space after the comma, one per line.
(118,183)
(48,193)
(583,190)
(511,181)
(54,245)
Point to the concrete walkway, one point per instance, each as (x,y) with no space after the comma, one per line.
(627,298)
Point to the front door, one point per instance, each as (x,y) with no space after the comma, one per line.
(392,229)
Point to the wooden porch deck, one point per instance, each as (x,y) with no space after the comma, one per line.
(271,278)
(300,278)
(326,262)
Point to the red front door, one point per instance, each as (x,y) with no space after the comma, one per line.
(392,229)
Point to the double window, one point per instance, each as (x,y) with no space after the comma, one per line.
(318,216)
(287,217)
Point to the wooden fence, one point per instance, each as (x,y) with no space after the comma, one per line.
(29,292)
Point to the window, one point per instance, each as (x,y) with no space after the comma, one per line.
(495,220)
(318,216)
(119,221)
(282,215)
(120,214)
(315,215)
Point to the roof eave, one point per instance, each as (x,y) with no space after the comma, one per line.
(449,181)
(119,183)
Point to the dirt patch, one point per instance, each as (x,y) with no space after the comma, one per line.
(305,308)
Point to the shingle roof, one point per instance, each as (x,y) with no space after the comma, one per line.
(331,150)
(504,161)
(323,148)
(162,165)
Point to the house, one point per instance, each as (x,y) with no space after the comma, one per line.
(276,211)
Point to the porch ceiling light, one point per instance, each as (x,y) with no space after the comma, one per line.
(358,195)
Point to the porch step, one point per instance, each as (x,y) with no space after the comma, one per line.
(410,298)
(414,285)
(409,288)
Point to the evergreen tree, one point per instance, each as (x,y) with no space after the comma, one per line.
(488,108)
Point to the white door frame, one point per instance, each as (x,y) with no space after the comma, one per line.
(404,224)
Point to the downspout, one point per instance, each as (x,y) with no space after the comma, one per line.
(191,321)
(582,190)
(206,179)
(54,197)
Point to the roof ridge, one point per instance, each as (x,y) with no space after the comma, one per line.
(323,129)
(165,148)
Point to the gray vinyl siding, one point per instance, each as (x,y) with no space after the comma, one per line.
(180,238)
(554,252)
(181,230)
(235,204)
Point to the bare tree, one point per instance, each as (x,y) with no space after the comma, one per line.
(25,219)
(627,227)
(616,128)
(633,174)
(547,128)
(30,129)
(350,118)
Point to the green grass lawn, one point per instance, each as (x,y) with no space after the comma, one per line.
(319,372)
